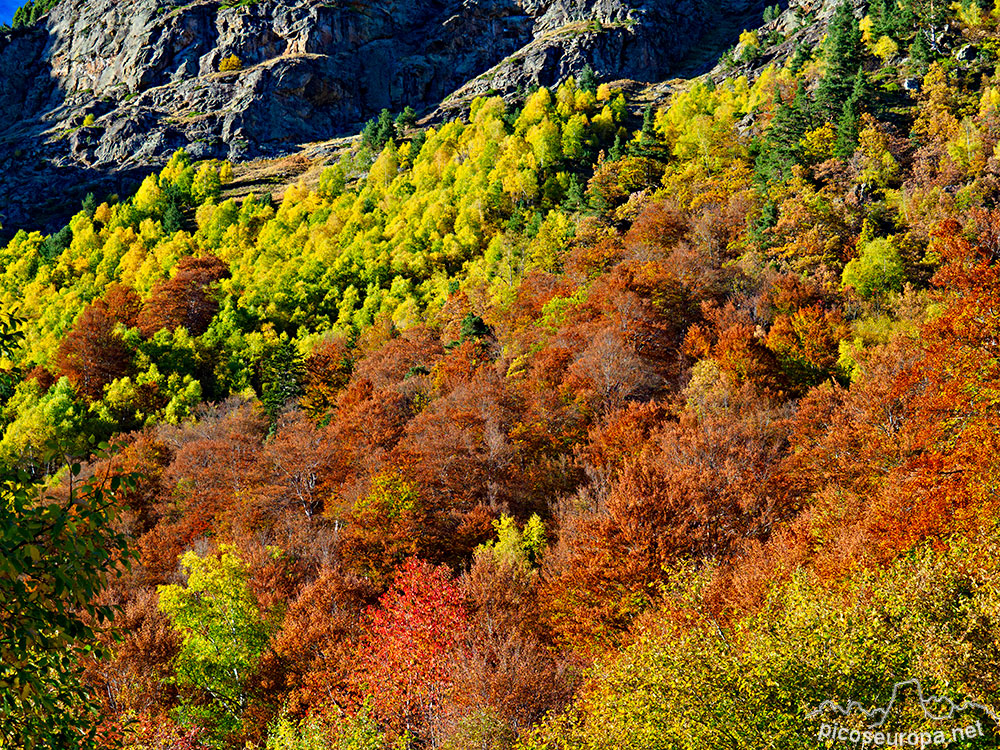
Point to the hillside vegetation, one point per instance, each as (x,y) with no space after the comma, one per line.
(541,428)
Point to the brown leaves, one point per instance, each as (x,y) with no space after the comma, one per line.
(93,355)
(186,299)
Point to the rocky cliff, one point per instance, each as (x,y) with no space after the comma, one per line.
(100,89)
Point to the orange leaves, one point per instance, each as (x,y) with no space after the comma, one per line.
(327,371)
(697,488)
(806,343)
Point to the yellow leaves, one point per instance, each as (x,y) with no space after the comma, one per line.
(535,110)
(546,142)
(878,166)
(817,145)
(573,137)
(585,102)
(748,46)
(149,197)
(566,98)
(865,24)
(989,102)
(551,241)
(966,147)
(764,89)
(486,109)
(936,118)
(385,168)
(886,49)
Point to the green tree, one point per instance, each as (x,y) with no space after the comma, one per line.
(223,635)
(282,373)
(379,131)
(780,148)
(89,205)
(648,143)
(55,558)
(847,128)
(473,327)
(842,57)
(406,119)
(588,79)
(173,218)
(877,270)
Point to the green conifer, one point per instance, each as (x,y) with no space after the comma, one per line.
(847,127)
(842,56)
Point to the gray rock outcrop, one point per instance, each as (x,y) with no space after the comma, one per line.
(99,90)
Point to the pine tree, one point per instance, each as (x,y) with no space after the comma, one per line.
(173,219)
(588,79)
(617,150)
(21,16)
(385,129)
(406,119)
(282,375)
(417,144)
(847,127)
(878,12)
(920,50)
(648,134)
(842,57)
(89,204)
(649,142)
(379,131)
(780,149)
(799,58)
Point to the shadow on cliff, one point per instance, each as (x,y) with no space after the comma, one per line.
(40,187)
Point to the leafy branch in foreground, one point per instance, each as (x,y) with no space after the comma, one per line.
(56,556)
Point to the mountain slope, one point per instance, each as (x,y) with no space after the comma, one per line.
(98,88)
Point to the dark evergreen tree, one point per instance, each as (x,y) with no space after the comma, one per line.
(842,56)
(385,129)
(368,135)
(799,58)
(89,204)
(649,144)
(920,50)
(473,327)
(588,79)
(54,245)
(878,12)
(574,194)
(21,16)
(617,149)
(780,149)
(379,131)
(847,128)
(173,219)
(417,143)
(281,375)
(407,119)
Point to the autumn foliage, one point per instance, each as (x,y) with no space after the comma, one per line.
(537,431)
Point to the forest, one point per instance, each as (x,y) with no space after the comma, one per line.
(550,428)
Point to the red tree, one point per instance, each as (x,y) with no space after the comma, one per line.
(411,637)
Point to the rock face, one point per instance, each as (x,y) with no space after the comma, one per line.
(101,89)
